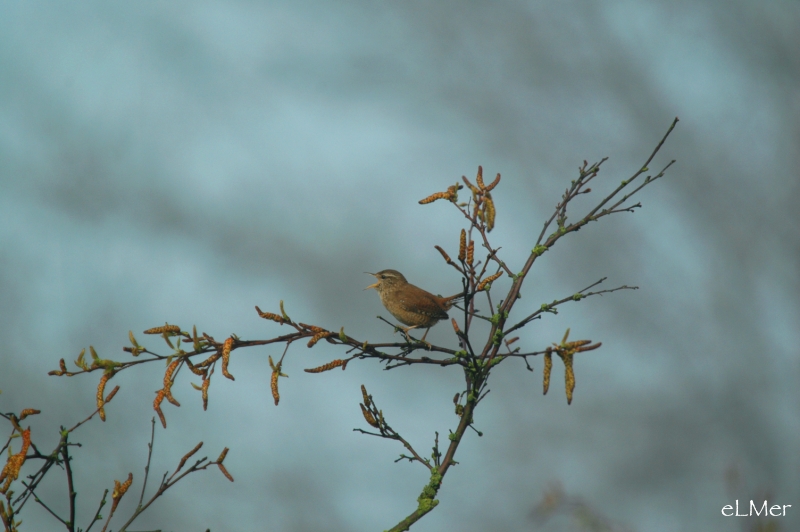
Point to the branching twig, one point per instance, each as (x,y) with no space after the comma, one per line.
(149,458)
(70,485)
(550,307)
(168,482)
(97,517)
(375,418)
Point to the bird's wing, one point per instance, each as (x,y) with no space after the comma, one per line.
(424,303)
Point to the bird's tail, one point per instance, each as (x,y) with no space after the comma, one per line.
(452,300)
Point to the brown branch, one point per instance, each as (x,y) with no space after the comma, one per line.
(149,458)
(70,486)
(52,458)
(415,516)
(547,307)
(375,417)
(97,517)
(426,501)
(41,503)
(167,483)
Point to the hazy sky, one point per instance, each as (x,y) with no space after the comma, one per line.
(182,162)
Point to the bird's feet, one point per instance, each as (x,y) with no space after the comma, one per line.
(411,339)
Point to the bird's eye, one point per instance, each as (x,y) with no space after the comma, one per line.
(383,277)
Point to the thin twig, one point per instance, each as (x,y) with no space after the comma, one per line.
(50,511)
(97,513)
(149,457)
(70,486)
(575,297)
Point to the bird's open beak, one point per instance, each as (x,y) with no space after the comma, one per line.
(375,286)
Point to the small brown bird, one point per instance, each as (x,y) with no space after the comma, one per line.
(410,304)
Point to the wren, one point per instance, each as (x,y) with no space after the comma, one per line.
(410,304)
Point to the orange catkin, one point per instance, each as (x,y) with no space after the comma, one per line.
(489,212)
(101,387)
(119,491)
(488,280)
(210,360)
(365,395)
(157,407)
(28,412)
(452,192)
(434,197)
(204,390)
(444,254)
(14,464)
(194,369)
(319,336)
(163,329)
(168,382)
(569,377)
(273,385)
(225,472)
(188,455)
(326,367)
(475,190)
(548,367)
(222,467)
(369,417)
(493,184)
(270,316)
(226,357)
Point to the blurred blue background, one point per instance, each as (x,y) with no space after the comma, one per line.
(186,161)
